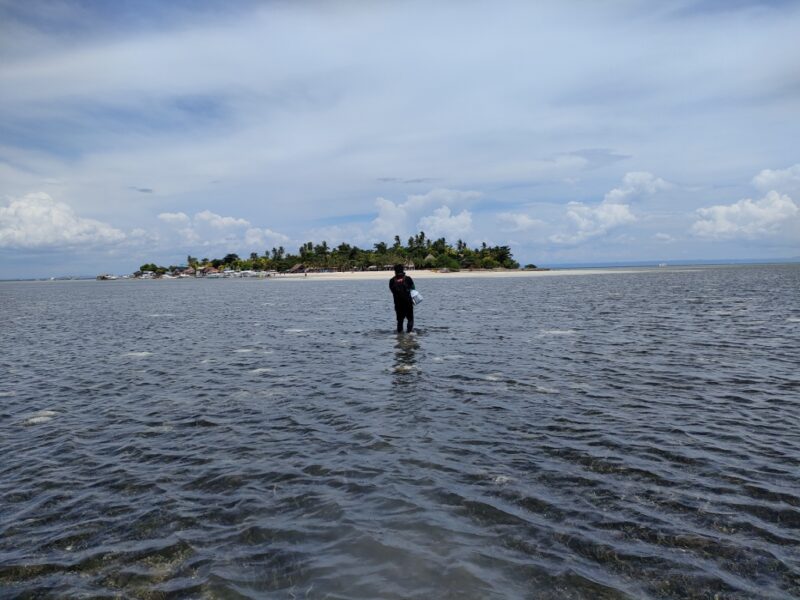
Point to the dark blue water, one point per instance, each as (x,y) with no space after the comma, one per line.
(627,435)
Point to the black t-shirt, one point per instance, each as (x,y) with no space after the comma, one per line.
(401,286)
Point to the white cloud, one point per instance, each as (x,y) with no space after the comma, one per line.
(591,222)
(38,221)
(351,233)
(219,221)
(780,179)
(178,217)
(256,237)
(442,196)
(519,221)
(442,223)
(664,238)
(190,235)
(205,218)
(594,221)
(399,219)
(637,183)
(392,218)
(747,218)
(212,232)
(142,238)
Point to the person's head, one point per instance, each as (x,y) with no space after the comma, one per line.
(398,270)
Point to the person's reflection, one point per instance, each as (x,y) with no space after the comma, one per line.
(405,359)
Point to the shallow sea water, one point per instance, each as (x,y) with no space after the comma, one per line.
(632,435)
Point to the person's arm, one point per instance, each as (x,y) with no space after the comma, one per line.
(411,285)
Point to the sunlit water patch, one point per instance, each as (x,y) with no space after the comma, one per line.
(42,416)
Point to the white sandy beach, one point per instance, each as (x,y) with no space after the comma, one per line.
(427,274)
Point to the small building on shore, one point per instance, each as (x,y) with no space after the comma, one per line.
(206,271)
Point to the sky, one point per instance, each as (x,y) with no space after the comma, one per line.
(572,131)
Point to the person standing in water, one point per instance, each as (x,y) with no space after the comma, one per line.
(401,286)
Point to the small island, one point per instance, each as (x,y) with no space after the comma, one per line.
(419,252)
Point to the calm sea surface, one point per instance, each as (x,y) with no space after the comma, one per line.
(630,435)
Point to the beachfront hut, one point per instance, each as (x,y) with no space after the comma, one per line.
(298,268)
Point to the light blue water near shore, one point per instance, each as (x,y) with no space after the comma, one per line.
(629,435)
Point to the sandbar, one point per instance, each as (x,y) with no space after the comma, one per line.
(465,273)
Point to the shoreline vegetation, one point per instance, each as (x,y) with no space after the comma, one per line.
(419,253)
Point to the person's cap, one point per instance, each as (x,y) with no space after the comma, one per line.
(398,269)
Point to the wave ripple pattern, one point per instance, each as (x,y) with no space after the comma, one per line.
(611,436)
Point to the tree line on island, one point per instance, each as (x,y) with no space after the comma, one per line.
(420,252)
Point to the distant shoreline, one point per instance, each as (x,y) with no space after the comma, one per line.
(428,274)
(375,275)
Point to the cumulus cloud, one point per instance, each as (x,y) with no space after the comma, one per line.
(400,218)
(190,235)
(214,232)
(392,218)
(587,221)
(178,217)
(350,233)
(664,238)
(519,221)
(747,218)
(38,221)
(637,183)
(593,221)
(780,179)
(219,221)
(442,223)
(258,237)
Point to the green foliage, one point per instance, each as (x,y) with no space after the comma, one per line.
(231,260)
(445,261)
